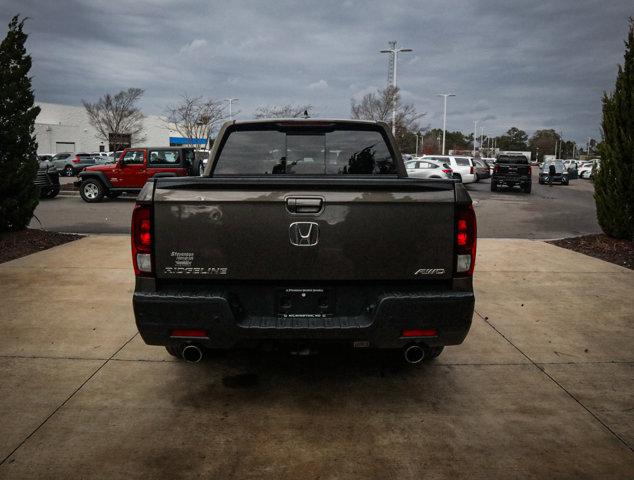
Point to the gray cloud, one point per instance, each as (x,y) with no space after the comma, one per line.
(509,63)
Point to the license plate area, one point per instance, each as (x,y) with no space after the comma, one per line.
(305,302)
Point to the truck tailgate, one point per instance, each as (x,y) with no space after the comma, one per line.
(302,229)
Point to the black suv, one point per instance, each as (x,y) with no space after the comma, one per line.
(511,170)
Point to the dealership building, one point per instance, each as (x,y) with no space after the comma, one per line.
(65,128)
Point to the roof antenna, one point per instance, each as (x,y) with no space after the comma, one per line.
(306,114)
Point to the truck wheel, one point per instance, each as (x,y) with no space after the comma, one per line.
(494,187)
(173,350)
(433,352)
(527,188)
(50,193)
(91,190)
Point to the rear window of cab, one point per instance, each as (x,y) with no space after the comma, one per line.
(335,150)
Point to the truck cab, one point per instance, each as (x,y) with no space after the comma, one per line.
(133,168)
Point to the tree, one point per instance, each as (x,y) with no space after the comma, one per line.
(513,139)
(196,118)
(117,117)
(543,142)
(378,106)
(283,111)
(18,148)
(614,182)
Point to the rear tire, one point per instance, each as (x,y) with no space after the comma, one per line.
(494,187)
(433,352)
(527,188)
(50,193)
(92,190)
(174,351)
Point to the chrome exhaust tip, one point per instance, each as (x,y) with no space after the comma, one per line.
(414,354)
(192,353)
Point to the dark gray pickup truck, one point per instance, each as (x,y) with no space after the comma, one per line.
(300,233)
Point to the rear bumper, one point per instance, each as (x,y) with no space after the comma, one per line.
(380,325)
(515,180)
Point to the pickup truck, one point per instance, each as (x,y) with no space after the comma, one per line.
(133,169)
(511,170)
(300,233)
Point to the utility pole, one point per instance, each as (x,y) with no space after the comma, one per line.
(393,51)
(475,134)
(230,100)
(444,116)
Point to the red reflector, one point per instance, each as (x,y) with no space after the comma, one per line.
(429,332)
(188,333)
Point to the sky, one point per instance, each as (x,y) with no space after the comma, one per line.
(532,65)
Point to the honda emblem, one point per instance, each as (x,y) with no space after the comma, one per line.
(303,234)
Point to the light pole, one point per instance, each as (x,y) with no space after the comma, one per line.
(231,100)
(481,135)
(444,116)
(475,134)
(395,51)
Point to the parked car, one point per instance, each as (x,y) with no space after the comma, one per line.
(482,169)
(463,167)
(47,178)
(511,171)
(585,171)
(560,176)
(490,162)
(43,158)
(427,168)
(573,169)
(70,164)
(133,169)
(304,232)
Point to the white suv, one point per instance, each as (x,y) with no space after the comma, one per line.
(463,167)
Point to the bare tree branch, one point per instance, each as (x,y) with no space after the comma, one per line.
(378,106)
(283,111)
(196,117)
(117,114)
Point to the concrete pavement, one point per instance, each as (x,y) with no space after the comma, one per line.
(543,387)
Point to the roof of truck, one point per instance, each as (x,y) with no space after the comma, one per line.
(304,121)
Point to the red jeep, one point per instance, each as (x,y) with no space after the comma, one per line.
(134,167)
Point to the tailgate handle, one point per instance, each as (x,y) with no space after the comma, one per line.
(304,205)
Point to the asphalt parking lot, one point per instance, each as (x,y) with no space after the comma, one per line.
(543,387)
(547,213)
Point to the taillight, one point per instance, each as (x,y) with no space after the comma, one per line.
(496,169)
(76,159)
(529,170)
(466,236)
(472,170)
(447,171)
(142,240)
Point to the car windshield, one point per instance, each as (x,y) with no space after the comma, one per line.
(273,150)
